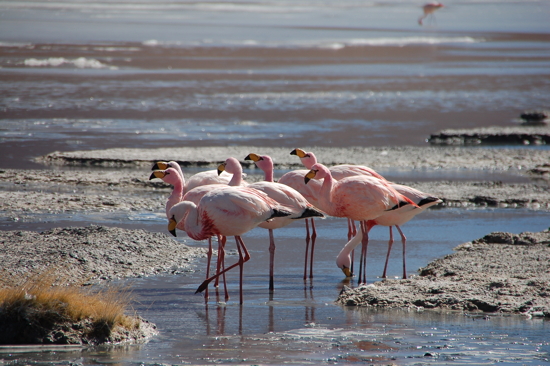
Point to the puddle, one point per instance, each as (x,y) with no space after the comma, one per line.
(299,323)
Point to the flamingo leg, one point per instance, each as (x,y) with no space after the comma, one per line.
(241,248)
(390,244)
(271,259)
(241,261)
(307,248)
(208,261)
(313,237)
(404,241)
(352,229)
(364,246)
(223,240)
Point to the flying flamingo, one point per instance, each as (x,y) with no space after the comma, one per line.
(429,9)
(285,195)
(230,211)
(391,218)
(359,198)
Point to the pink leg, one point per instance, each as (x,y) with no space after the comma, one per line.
(241,248)
(208,261)
(390,244)
(240,263)
(307,248)
(313,237)
(352,231)
(271,259)
(404,241)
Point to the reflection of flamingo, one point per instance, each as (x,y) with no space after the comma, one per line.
(429,9)
(231,211)
(395,218)
(359,198)
(288,196)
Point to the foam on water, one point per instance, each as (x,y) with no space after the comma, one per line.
(80,62)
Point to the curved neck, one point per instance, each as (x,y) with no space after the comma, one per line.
(194,227)
(343,258)
(325,195)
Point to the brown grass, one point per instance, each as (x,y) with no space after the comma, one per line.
(52,303)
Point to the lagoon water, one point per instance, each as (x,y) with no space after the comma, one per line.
(77,75)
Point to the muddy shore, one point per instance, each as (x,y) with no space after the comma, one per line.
(89,254)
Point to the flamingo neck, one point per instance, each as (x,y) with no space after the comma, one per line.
(194,226)
(325,196)
(344,258)
(268,175)
(175,196)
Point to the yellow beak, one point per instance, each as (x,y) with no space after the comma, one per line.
(172,226)
(157,174)
(301,153)
(310,175)
(221,168)
(253,157)
(160,165)
(347,272)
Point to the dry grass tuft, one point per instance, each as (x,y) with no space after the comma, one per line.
(40,303)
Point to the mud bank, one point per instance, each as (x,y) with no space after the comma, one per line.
(409,157)
(92,254)
(493,136)
(500,272)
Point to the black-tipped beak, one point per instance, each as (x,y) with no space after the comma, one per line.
(293,152)
(173,232)
(152,176)
(155,167)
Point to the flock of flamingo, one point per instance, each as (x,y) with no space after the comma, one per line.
(220,203)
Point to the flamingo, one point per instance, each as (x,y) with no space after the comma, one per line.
(232,166)
(199,179)
(360,198)
(310,192)
(338,172)
(429,9)
(395,218)
(230,211)
(174,177)
(286,195)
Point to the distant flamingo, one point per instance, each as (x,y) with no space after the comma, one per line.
(285,195)
(395,218)
(232,166)
(360,198)
(230,211)
(429,9)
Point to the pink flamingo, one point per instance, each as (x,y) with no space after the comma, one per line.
(391,218)
(174,177)
(284,194)
(230,211)
(429,9)
(359,198)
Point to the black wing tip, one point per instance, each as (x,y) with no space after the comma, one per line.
(280,213)
(310,212)
(428,200)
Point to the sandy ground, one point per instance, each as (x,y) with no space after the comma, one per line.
(500,272)
(479,275)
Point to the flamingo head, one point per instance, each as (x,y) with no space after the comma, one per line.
(264,162)
(344,262)
(318,171)
(221,168)
(170,176)
(160,165)
(307,158)
(172,223)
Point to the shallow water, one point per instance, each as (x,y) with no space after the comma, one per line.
(299,323)
(290,73)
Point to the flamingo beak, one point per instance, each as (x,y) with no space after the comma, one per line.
(253,157)
(157,174)
(221,168)
(310,175)
(172,226)
(347,271)
(160,165)
(299,152)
